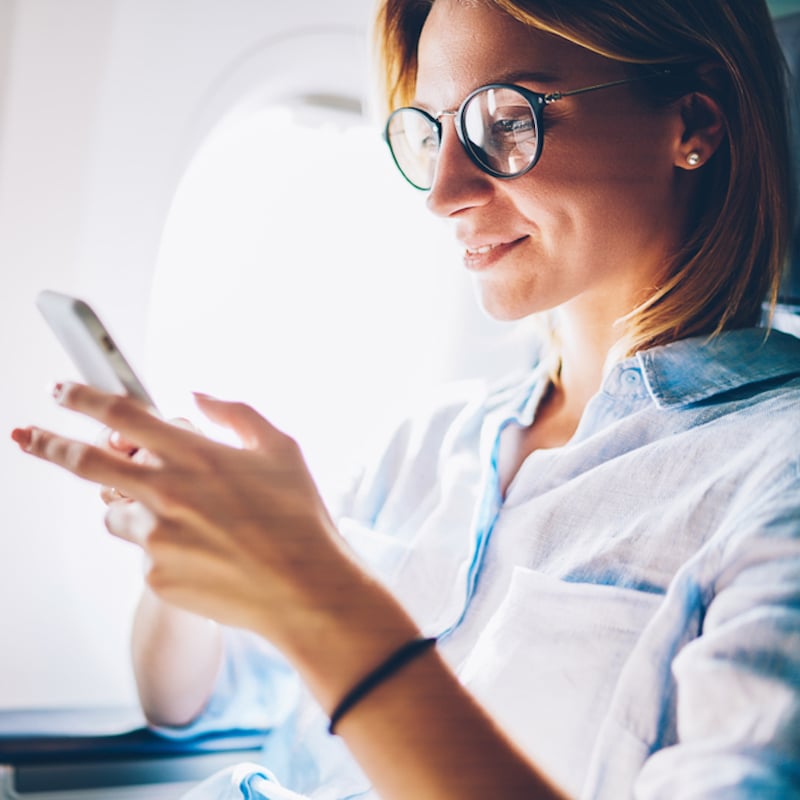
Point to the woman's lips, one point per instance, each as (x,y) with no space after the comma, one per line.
(483,256)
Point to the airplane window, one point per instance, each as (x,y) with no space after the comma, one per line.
(299,273)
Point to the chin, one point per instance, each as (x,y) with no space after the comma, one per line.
(507,308)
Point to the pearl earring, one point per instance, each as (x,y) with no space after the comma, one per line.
(693,159)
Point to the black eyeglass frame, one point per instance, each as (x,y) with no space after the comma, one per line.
(536,100)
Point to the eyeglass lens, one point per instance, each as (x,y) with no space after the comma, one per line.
(413,138)
(498,129)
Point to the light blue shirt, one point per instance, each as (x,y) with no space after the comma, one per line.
(629,612)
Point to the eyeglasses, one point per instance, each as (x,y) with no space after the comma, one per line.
(500,126)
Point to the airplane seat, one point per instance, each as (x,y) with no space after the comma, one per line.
(108,753)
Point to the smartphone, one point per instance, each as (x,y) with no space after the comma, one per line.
(90,345)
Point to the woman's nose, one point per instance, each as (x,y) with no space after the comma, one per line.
(458,183)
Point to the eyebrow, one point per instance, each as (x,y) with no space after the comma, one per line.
(527,76)
(516,76)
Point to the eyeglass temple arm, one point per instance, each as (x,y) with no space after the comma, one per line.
(553,96)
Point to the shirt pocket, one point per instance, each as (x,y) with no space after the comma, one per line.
(546,665)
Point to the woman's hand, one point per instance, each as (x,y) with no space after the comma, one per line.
(238,535)
(115,442)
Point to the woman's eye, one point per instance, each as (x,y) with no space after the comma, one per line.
(430,144)
(512,126)
(510,133)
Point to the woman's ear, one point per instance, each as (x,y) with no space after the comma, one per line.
(703,129)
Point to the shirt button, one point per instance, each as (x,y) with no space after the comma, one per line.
(631,376)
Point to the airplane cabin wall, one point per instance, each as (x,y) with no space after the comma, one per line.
(102,104)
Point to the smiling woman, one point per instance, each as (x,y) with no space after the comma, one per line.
(579,581)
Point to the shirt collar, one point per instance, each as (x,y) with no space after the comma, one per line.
(698,368)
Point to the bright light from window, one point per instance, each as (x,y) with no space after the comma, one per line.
(299,274)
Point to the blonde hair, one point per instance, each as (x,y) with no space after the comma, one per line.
(735,246)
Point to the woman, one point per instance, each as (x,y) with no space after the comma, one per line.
(606,549)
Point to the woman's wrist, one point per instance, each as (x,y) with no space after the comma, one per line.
(378,675)
(342,628)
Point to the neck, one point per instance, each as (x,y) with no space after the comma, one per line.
(585,344)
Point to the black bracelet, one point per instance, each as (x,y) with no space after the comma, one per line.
(395,661)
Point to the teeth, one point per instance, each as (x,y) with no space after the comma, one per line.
(481,250)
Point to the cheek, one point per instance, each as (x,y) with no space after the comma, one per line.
(589,202)
(609,152)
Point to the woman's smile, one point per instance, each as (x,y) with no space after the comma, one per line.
(483,256)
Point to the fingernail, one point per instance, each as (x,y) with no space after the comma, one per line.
(204,396)
(58,392)
(22,436)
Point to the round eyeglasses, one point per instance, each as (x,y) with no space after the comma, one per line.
(499,125)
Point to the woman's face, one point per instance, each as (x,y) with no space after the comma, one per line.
(589,227)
